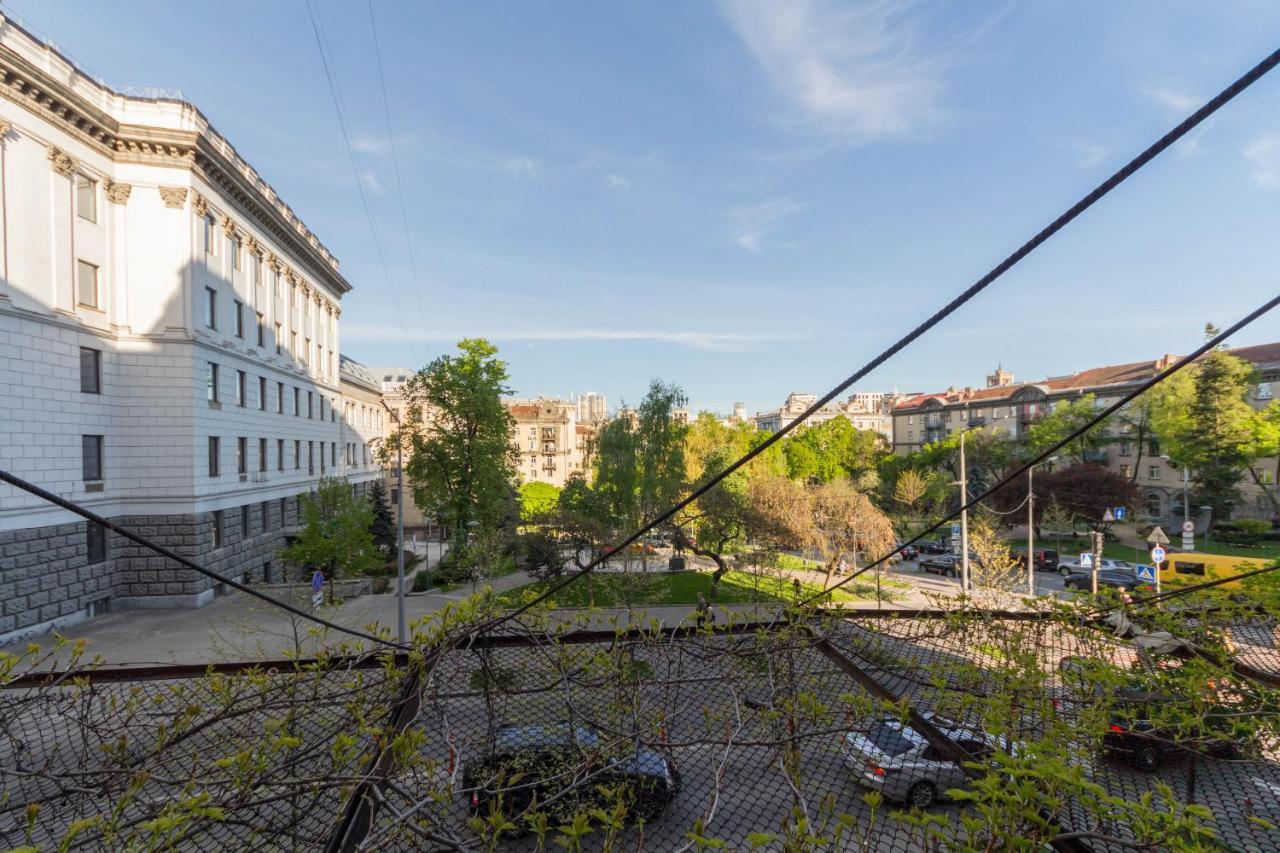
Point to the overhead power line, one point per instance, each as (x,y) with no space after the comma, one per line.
(1163,143)
(395,164)
(321,41)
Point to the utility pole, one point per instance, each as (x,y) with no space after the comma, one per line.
(400,626)
(1097,559)
(1031,534)
(964,521)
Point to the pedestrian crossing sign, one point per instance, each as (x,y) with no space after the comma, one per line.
(1146,573)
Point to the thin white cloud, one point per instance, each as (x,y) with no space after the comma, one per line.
(371,182)
(754,224)
(858,71)
(1173,99)
(520,167)
(618,182)
(1090,155)
(365,144)
(705,340)
(1264,156)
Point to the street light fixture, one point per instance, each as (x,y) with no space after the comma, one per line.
(1031,526)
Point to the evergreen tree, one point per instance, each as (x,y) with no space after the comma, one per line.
(382,527)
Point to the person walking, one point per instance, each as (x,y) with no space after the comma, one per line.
(705,614)
(317,590)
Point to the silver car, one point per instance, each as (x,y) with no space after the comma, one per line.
(1071,565)
(891,757)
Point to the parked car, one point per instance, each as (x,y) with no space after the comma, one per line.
(908,552)
(934,546)
(1067,565)
(533,762)
(947,565)
(1147,745)
(1110,578)
(1046,559)
(891,757)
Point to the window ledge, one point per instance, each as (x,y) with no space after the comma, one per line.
(214,404)
(93,486)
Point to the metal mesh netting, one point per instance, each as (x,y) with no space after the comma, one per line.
(821,732)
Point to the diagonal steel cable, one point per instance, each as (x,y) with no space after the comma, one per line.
(1182,129)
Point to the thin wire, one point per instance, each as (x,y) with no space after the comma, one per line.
(71,506)
(1171,137)
(395,163)
(355,173)
(1094,421)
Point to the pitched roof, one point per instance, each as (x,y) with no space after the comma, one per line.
(353,371)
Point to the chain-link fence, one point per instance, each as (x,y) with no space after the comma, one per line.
(819,731)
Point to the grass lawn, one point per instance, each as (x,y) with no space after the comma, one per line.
(656,588)
(791,561)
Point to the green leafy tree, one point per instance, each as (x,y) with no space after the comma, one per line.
(382,527)
(537,499)
(617,471)
(659,448)
(1203,418)
(335,534)
(1065,418)
(834,449)
(460,460)
(1265,444)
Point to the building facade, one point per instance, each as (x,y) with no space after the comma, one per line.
(593,408)
(169,338)
(548,443)
(866,410)
(1011,408)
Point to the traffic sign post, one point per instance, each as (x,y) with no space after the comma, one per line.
(1119,513)
(1157,537)
(1157,557)
(1188,535)
(1108,516)
(1147,573)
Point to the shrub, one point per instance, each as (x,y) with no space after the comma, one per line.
(422,582)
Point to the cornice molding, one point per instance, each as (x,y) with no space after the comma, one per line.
(202,151)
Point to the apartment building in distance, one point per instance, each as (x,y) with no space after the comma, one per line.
(1012,407)
(169,349)
(593,408)
(866,410)
(549,444)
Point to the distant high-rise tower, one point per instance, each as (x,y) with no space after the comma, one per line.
(592,407)
(1000,378)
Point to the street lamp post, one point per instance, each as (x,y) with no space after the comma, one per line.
(1031,527)
(400,624)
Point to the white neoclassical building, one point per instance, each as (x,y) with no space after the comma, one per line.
(169,349)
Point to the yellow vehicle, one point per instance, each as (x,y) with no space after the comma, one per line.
(1187,568)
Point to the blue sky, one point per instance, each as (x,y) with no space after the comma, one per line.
(747,197)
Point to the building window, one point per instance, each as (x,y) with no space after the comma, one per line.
(1125,449)
(1153,447)
(395,497)
(240,379)
(88,293)
(262,332)
(1264,477)
(86,198)
(242,452)
(333,453)
(322,457)
(266,515)
(238,318)
(283,512)
(310,409)
(279,454)
(90,371)
(1153,472)
(311,457)
(215,456)
(211,308)
(262,454)
(216,532)
(279,337)
(211,385)
(236,260)
(210,235)
(297,454)
(297,399)
(96,542)
(280,398)
(244,521)
(1126,471)
(262,393)
(91,456)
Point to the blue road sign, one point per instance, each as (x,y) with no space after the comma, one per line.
(1157,555)
(1146,573)
(1119,512)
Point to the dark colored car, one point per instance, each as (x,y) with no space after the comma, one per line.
(530,764)
(947,565)
(1147,745)
(908,552)
(934,546)
(1109,578)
